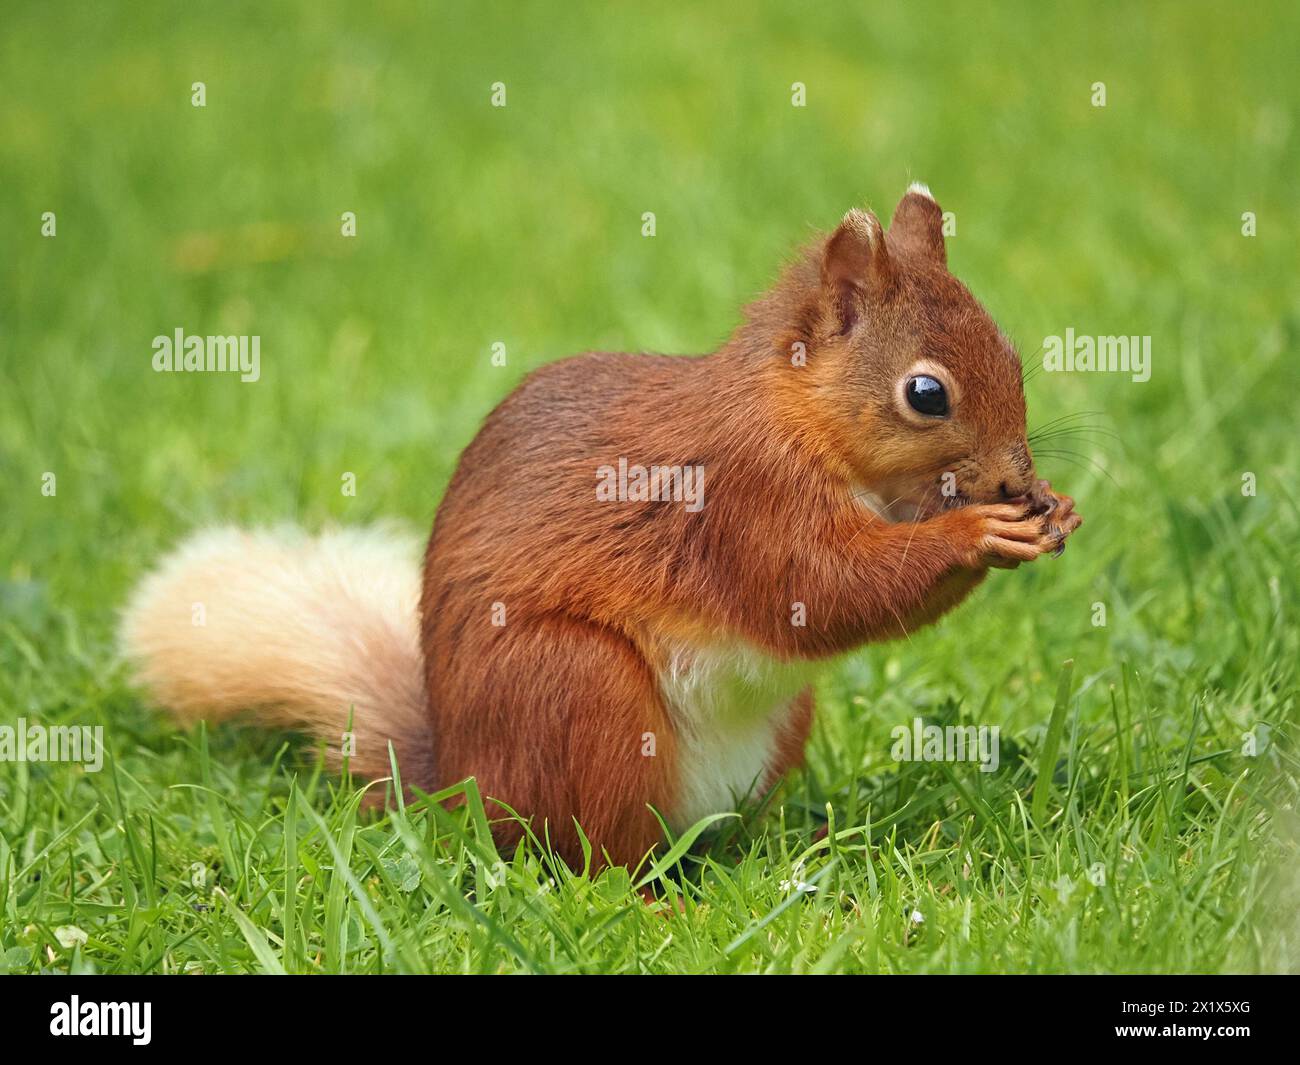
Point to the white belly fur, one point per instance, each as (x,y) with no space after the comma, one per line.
(729,703)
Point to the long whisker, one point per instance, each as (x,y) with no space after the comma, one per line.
(1068,418)
(1100,439)
(1063,430)
(1030,365)
(1102,443)
(868,522)
(1075,459)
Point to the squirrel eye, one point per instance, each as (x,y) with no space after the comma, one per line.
(926,396)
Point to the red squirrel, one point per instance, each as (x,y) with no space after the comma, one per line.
(641,561)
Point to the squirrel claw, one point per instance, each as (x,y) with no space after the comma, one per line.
(1042,500)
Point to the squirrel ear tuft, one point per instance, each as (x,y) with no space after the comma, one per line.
(854,264)
(917,227)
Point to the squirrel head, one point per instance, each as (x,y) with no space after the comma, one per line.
(916,390)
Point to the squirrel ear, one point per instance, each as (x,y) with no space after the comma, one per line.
(854,264)
(918,225)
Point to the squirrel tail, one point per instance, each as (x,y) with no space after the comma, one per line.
(307,633)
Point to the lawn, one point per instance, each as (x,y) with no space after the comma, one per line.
(1143,817)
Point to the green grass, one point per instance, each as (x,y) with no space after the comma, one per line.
(234,852)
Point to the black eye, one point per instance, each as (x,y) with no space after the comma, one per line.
(926,396)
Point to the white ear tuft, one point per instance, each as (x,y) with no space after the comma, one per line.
(865,224)
(920,189)
(855,263)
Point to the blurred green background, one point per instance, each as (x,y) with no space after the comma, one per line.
(522,225)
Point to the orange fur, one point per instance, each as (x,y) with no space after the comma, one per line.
(589,660)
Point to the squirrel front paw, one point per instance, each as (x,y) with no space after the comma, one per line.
(1057,512)
(1003,535)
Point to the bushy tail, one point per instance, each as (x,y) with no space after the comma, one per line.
(301,631)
